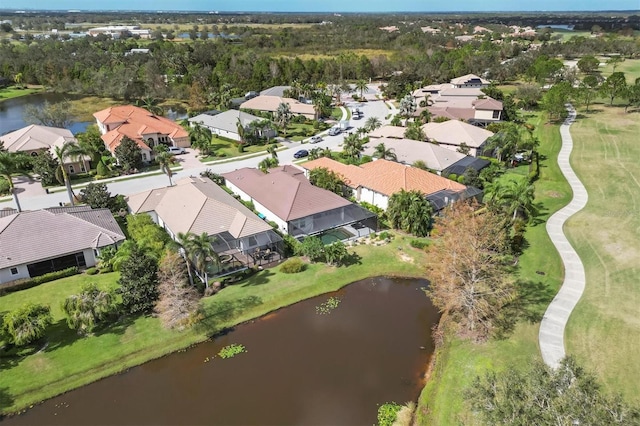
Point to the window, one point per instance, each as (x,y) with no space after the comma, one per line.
(82,168)
(496,114)
(71,169)
(14,271)
(34,153)
(144,156)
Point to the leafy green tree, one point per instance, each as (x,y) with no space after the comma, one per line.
(92,144)
(129,154)
(88,308)
(68,151)
(46,167)
(96,195)
(149,103)
(327,179)
(411,212)
(633,95)
(165,160)
(553,102)
(273,150)
(415,132)
(336,253)
(14,163)
(538,394)
(352,147)
(26,324)
(407,106)
(383,153)
(148,236)
(529,95)
(588,89)
(614,86)
(588,64)
(138,282)
(200,137)
(48,114)
(505,142)
(311,247)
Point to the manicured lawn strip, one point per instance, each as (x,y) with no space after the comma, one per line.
(230,150)
(459,362)
(603,331)
(298,131)
(69,362)
(14,92)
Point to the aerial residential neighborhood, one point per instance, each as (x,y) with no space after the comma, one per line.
(319,217)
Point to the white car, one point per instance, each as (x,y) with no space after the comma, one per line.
(315,139)
(176,150)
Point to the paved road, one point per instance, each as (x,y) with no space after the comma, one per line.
(551,335)
(31,198)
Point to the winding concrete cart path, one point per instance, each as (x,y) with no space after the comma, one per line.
(551,335)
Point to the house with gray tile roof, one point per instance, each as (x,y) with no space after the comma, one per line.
(225,124)
(286,197)
(198,205)
(33,243)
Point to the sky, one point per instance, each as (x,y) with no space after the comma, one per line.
(324,5)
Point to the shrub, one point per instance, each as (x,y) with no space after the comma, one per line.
(26,324)
(384,235)
(222,154)
(91,271)
(32,282)
(292,266)
(419,244)
(313,248)
(4,186)
(453,176)
(387,413)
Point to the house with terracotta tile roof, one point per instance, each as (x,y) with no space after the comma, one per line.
(146,129)
(33,243)
(453,133)
(286,197)
(269,103)
(378,180)
(198,205)
(36,139)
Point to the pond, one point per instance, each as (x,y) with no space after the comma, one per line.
(301,367)
(12,111)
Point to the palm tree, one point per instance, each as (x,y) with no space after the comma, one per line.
(372,124)
(505,142)
(150,104)
(14,163)
(268,163)
(361,85)
(315,153)
(352,147)
(165,160)
(326,152)
(407,106)
(272,149)
(382,152)
(203,255)
(514,197)
(68,150)
(411,212)
(18,79)
(336,91)
(241,131)
(184,249)
(283,116)
(200,137)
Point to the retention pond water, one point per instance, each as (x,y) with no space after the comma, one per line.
(312,363)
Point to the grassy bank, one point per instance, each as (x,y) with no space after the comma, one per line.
(604,331)
(15,92)
(68,361)
(539,276)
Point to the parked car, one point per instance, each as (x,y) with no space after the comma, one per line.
(176,150)
(334,131)
(301,154)
(315,139)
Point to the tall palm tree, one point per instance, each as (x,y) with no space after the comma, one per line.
(352,147)
(150,104)
(165,160)
(515,198)
(361,85)
(372,124)
(203,255)
(283,116)
(315,153)
(337,91)
(268,163)
(200,137)
(184,248)
(382,152)
(505,142)
(14,163)
(407,106)
(68,151)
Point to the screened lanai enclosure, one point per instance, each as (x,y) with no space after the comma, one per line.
(354,220)
(237,254)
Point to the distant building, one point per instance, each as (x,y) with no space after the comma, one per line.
(118,31)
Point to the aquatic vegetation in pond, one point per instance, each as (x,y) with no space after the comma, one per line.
(231,351)
(387,413)
(328,306)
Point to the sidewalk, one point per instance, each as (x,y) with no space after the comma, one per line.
(551,334)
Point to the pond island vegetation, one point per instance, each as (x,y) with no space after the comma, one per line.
(492,267)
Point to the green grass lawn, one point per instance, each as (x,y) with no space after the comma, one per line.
(459,362)
(631,68)
(604,329)
(299,131)
(70,361)
(14,92)
(229,149)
